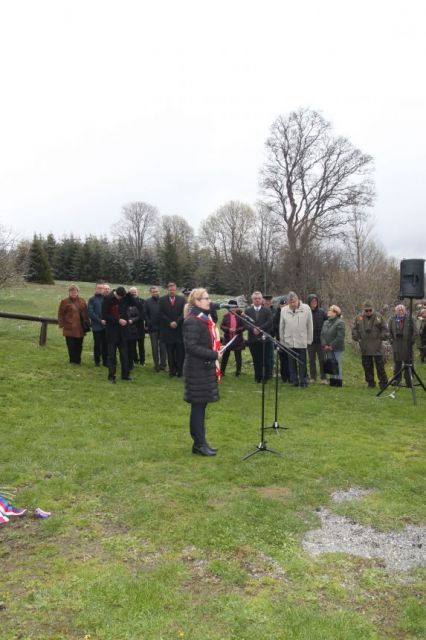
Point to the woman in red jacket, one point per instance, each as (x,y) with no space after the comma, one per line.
(232,326)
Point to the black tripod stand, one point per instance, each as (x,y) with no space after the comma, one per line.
(407,370)
(262,446)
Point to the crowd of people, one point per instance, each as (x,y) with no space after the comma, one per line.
(185,340)
(120,319)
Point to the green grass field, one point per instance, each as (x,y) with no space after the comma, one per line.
(148,541)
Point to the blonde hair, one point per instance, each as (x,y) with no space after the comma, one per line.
(73,287)
(337,310)
(194,296)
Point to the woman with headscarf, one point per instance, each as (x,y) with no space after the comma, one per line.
(201,368)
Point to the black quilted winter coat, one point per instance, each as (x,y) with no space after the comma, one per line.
(199,367)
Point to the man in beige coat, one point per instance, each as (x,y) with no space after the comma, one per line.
(296,332)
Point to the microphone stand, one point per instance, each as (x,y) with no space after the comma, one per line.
(276,425)
(250,324)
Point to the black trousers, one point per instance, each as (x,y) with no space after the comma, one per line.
(225,359)
(100,347)
(284,366)
(397,366)
(159,351)
(368,364)
(136,349)
(269,359)
(175,357)
(315,351)
(298,372)
(75,347)
(123,349)
(197,427)
(256,350)
(140,350)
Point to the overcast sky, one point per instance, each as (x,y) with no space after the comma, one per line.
(103,103)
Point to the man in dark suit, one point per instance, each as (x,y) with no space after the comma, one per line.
(262,318)
(171,320)
(115,313)
(152,317)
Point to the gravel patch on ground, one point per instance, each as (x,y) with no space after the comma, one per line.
(401,550)
(354,493)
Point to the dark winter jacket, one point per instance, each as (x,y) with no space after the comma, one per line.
(139,330)
(238,343)
(134,318)
(199,368)
(370,332)
(171,313)
(112,311)
(94,307)
(152,314)
(214,308)
(400,339)
(333,334)
(319,316)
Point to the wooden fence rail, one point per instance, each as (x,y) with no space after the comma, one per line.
(44,320)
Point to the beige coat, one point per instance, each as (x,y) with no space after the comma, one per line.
(296,327)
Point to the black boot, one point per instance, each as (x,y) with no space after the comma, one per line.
(339,383)
(333,382)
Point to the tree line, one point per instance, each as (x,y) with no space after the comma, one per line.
(310,231)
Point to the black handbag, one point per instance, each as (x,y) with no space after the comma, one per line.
(85,324)
(331,365)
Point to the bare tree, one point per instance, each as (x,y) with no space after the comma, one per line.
(229,230)
(136,227)
(229,233)
(268,244)
(10,273)
(180,230)
(312,180)
(363,251)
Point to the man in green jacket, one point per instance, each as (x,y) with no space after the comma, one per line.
(369,329)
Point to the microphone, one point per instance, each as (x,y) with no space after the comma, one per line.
(250,320)
(223,305)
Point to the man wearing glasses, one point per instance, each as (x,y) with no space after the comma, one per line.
(369,330)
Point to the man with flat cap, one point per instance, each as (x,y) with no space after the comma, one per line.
(370,330)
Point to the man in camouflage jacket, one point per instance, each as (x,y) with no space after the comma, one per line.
(370,329)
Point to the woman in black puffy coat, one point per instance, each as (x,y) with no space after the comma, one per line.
(200,369)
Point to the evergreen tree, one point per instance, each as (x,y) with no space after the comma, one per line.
(169,259)
(50,246)
(38,264)
(65,262)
